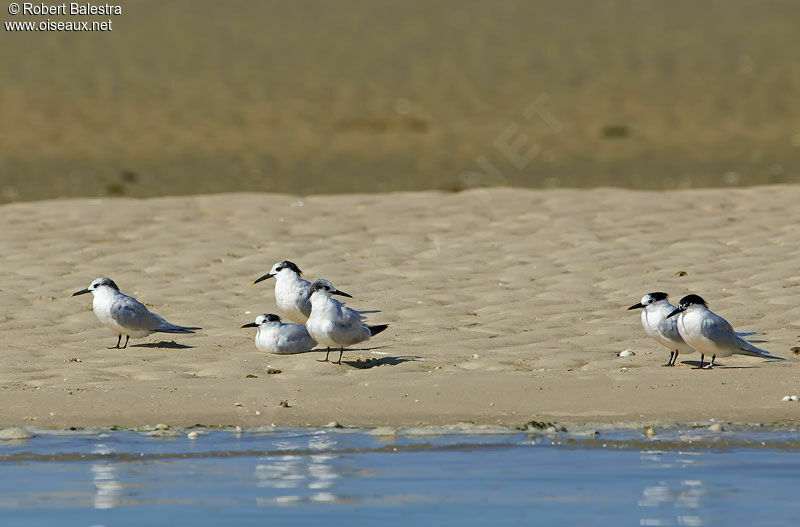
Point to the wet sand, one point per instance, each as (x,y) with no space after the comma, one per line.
(504,305)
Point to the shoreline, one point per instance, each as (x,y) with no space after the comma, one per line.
(504,306)
(631,436)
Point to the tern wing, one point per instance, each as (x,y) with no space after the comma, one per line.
(668,329)
(719,330)
(347,316)
(131,314)
(295,337)
(348,325)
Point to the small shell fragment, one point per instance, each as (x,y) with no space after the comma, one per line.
(716,427)
(794,398)
(786,398)
(626,353)
(193,435)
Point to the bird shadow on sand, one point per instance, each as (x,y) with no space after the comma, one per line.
(362,363)
(171,344)
(695,364)
(371,362)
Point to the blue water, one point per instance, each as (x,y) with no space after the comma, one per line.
(345,477)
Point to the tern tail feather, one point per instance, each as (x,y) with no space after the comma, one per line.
(172,328)
(374,330)
(749,349)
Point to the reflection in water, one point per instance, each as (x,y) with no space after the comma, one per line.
(104,475)
(680,494)
(310,477)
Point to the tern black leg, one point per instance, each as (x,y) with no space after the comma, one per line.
(711,365)
(341,352)
(669,362)
(119,339)
(327,352)
(126,341)
(701,362)
(675,358)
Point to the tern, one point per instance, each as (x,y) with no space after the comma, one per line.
(124,315)
(710,334)
(332,324)
(274,336)
(291,291)
(655,308)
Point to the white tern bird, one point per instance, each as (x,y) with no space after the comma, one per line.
(710,334)
(655,308)
(274,336)
(124,315)
(332,324)
(291,291)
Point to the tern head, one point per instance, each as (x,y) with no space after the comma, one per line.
(649,298)
(284,266)
(266,318)
(687,302)
(326,288)
(96,285)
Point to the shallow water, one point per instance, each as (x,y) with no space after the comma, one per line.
(290,476)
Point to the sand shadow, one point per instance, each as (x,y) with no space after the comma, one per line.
(161,345)
(695,364)
(371,362)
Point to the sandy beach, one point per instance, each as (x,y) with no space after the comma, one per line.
(504,305)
